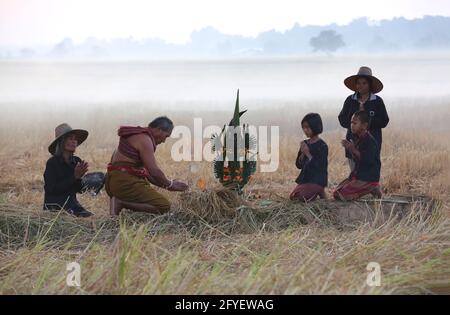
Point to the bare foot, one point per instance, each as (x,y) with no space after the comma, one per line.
(115,205)
(377,193)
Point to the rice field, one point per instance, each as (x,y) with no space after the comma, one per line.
(213,242)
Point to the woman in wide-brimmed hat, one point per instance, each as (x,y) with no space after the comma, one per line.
(366,86)
(64,172)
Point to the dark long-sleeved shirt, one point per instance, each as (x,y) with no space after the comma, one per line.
(377,112)
(314,171)
(368,166)
(61,186)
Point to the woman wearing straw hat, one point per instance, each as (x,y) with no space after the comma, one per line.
(365,86)
(64,171)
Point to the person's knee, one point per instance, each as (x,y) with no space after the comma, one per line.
(297,193)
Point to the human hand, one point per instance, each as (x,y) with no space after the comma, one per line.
(348,145)
(304,148)
(306,152)
(178,186)
(81,169)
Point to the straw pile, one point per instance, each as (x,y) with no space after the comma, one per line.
(211,205)
(223,210)
(232,212)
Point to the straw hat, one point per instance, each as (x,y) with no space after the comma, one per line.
(364,72)
(63,130)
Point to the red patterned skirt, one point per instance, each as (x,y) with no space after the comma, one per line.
(352,189)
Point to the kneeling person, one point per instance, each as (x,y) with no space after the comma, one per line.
(65,172)
(365,177)
(133,167)
(312,160)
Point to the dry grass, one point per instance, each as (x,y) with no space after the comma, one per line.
(216,242)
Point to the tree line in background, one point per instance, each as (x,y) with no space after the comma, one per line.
(360,36)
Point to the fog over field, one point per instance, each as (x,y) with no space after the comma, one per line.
(211,84)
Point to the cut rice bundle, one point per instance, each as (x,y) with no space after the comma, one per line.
(212,205)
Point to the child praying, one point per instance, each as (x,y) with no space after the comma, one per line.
(312,160)
(365,153)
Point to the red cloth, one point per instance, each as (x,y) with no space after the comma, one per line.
(125,147)
(352,189)
(135,171)
(307,192)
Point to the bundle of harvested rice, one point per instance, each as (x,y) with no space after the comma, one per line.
(211,205)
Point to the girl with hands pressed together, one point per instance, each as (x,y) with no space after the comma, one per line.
(312,160)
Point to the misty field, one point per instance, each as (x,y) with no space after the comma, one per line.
(214,243)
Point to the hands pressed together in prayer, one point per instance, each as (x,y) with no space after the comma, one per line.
(350,146)
(304,148)
(81,169)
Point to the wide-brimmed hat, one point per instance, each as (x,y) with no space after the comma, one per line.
(63,130)
(364,72)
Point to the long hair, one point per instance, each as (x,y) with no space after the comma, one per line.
(59,149)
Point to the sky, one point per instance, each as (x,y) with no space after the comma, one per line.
(45,22)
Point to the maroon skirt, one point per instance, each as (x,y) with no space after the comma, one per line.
(307,192)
